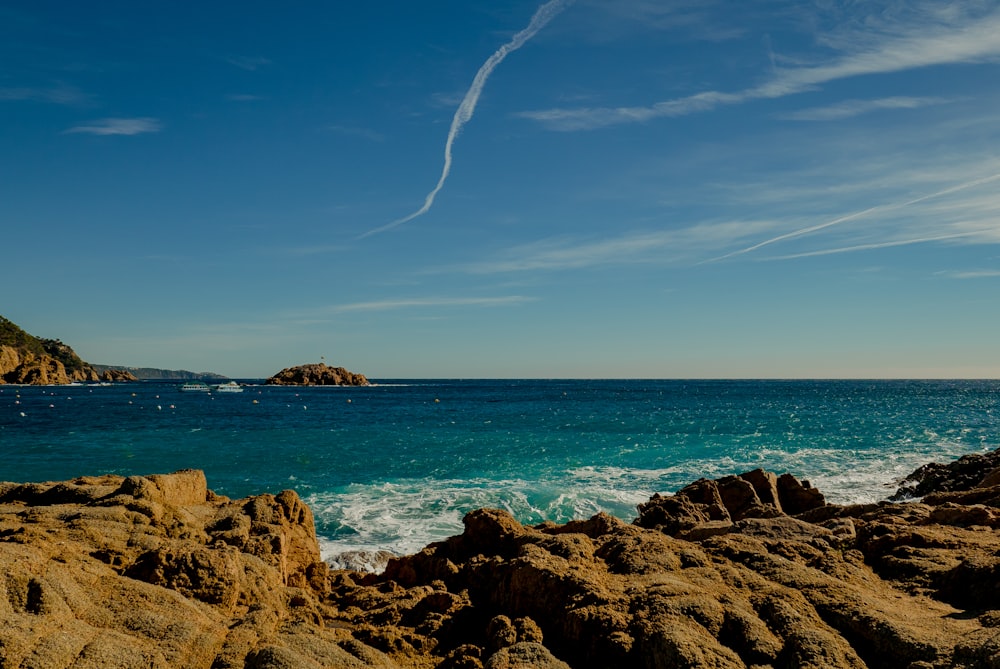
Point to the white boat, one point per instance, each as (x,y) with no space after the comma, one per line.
(194,387)
(229,387)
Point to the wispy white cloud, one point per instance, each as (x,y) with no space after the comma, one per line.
(882,245)
(959,39)
(963,213)
(430,302)
(880,209)
(659,247)
(852,108)
(244,97)
(118,126)
(974,274)
(467,108)
(60,95)
(690,20)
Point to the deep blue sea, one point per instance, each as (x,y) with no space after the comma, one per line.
(396,465)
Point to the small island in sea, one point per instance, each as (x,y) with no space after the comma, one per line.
(755,570)
(317,374)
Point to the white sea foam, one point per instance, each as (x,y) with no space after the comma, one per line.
(363,525)
(403,517)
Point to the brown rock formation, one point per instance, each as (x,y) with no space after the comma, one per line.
(969,471)
(317,375)
(32,369)
(118,376)
(157,571)
(26,359)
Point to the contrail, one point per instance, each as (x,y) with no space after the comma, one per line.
(857,214)
(542,16)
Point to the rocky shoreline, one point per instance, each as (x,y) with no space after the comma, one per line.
(754,570)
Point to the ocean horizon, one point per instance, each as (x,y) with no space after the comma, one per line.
(394,466)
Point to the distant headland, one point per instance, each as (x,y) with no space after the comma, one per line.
(29,360)
(157,374)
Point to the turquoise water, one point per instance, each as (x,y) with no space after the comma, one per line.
(396,465)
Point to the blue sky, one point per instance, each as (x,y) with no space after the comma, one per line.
(506,189)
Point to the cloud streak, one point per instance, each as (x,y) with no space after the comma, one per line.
(118,126)
(60,95)
(878,209)
(972,41)
(658,247)
(975,274)
(852,108)
(467,108)
(880,245)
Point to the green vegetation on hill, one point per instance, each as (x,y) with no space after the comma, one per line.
(27,345)
(13,336)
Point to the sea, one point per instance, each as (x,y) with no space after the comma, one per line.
(392,467)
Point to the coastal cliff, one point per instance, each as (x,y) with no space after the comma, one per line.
(754,570)
(26,359)
(318,374)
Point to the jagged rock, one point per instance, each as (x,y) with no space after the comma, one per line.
(157,571)
(317,375)
(127,572)
(117,376)
(31,369)
(967,472)
(871,586)
(705,508)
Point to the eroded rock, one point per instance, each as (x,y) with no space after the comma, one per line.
(157,571)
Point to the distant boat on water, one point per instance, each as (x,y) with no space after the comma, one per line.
(194,387)
(230,387)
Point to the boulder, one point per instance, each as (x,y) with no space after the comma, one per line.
(967,472)
(139,571)
(709,505)
(158,571)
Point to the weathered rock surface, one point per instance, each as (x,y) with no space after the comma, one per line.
(159,572)
(31,369)
(967,472)
(746,571)
(317,375)
(26,359)
(118,376)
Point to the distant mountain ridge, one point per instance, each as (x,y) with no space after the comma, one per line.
(153,373)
